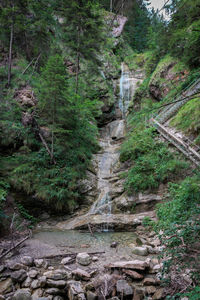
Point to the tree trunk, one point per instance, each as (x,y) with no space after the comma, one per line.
(111,5)
(10,53)
(77,59)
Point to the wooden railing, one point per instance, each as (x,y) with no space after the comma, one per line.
(187,150)
(171,109)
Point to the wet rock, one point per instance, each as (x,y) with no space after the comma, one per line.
(33,273)
(91,296)
(6,286)
(35,284)
(83,259)
(142,251)
(58,275)
(57,298)
(19,276)
(22,294)
(133,274)
(27,261)
(75,290)
(60,284)
(67,260)
(2,297)
(27,282)
(133,264)
(124,288)
(158,294)
(149,281)
(80,274)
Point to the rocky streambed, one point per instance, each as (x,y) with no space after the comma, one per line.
(125,266)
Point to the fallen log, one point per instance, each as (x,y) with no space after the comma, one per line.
(15,246)
(69,254)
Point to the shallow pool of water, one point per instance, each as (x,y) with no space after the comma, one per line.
(77,241)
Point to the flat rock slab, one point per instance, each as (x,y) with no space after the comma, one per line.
(117,221)
(134,264)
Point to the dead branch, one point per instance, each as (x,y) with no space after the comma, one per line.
(15,246)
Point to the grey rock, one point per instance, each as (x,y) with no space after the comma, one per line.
(60,284)
(67,260)
(58,274)
(37,294)
(83,259)
(27,261)
(142,251)
(2,268)
(22,294)
(42,281)
(91,296)
(19,276)
(39,263)
(15,266)
(81,274)
(57,298)
(53,291)
(27,283)
(75,290)
(95,258)
(33,273)
(124,288)
(35,284)
(6,286)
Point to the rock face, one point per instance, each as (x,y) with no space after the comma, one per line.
(118,221)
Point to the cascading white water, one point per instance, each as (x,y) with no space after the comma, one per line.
(111,135)
(125,90)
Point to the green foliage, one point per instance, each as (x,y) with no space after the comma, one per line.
(24,213)
(187,118)
(147,222)
(4,187)
(178,218)
(152,161)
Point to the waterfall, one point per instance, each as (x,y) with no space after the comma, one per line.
(108,157)
(125,89)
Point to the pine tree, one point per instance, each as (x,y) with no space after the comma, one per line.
(83,30)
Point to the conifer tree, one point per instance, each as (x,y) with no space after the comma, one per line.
(83,30)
